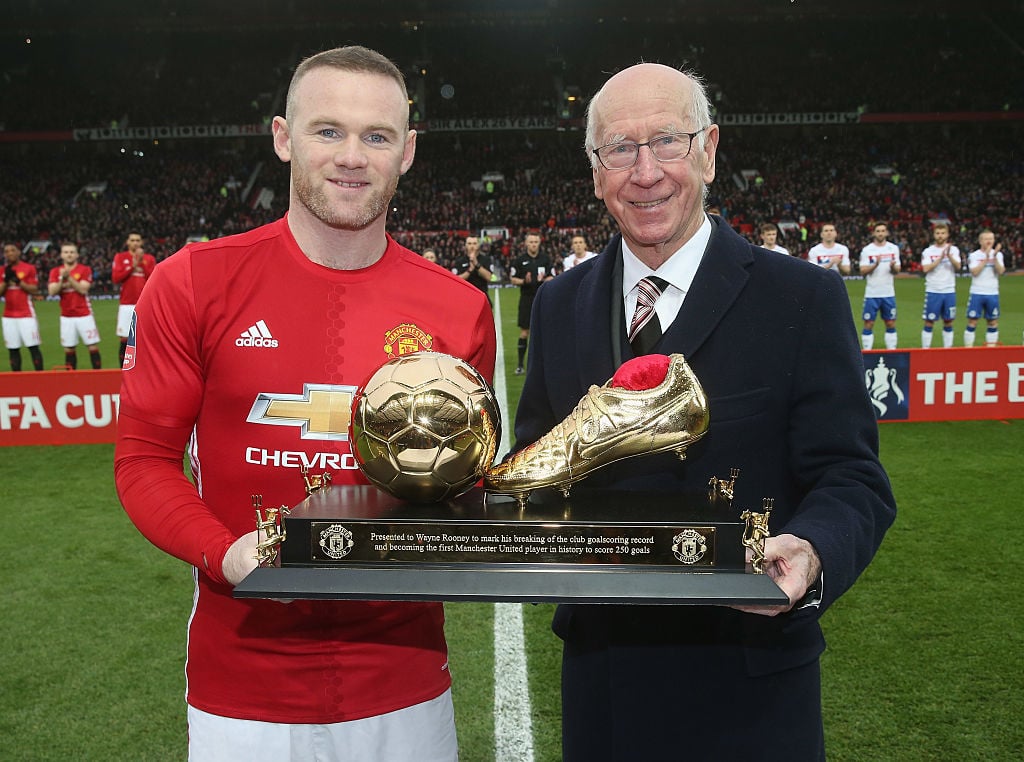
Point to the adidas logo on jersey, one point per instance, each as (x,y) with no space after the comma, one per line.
(258,335)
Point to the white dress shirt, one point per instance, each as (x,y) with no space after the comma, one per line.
(678,271)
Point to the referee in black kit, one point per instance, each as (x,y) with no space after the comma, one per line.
(529,270)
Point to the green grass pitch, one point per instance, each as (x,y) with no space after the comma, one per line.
(924,652)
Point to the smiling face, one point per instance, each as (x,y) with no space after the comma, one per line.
(658,205)
(347,138)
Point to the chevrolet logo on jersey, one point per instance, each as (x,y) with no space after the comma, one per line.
(322,411)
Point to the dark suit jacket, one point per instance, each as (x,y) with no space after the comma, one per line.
(772,340)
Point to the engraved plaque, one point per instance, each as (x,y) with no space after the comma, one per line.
(358,542)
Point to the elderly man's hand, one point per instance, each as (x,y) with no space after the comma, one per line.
(793,564)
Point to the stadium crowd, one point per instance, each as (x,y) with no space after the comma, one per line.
(539,181)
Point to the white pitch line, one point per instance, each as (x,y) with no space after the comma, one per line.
(513,726)
(500,390)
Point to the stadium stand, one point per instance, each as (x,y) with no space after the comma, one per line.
(504,151)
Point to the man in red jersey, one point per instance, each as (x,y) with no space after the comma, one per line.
(72,281)
(20,283)
(131,269)
(248,351)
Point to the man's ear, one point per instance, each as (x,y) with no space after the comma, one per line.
(710,151)
(282,138)
(409,151)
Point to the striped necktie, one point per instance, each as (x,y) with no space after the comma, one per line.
(645,330)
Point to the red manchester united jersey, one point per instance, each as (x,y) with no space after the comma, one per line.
(255,352)
(131,277)
(17,301)
(72,303)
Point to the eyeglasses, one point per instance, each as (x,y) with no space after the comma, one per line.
(672,146)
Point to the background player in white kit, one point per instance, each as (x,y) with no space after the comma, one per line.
(940,263)
(828,253)
(769,236)
(579,253)
(879,262)
(986,265)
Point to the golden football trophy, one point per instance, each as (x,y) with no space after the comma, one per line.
(425,426)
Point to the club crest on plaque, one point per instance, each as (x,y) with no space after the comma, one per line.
(336,541)
(689,546)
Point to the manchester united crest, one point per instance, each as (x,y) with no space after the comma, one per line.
(336,541)
(406,339)
(689,546)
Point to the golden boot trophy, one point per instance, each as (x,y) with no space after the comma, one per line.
(608,425)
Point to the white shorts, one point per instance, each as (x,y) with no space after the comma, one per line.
(421,733)
(124,319)
(21,332)
(73,328)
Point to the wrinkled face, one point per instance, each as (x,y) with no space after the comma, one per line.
(134,243)
(472,246)
(881,233)
(768,237)
(69,254)
(658,205)
(11,253)
(987,240)
(532,245)
(348,142)
(828,234)
(579,246)
(941,236)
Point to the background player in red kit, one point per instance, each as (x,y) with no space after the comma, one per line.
(73,280)
(21,328)
(131,269)
(300,311)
